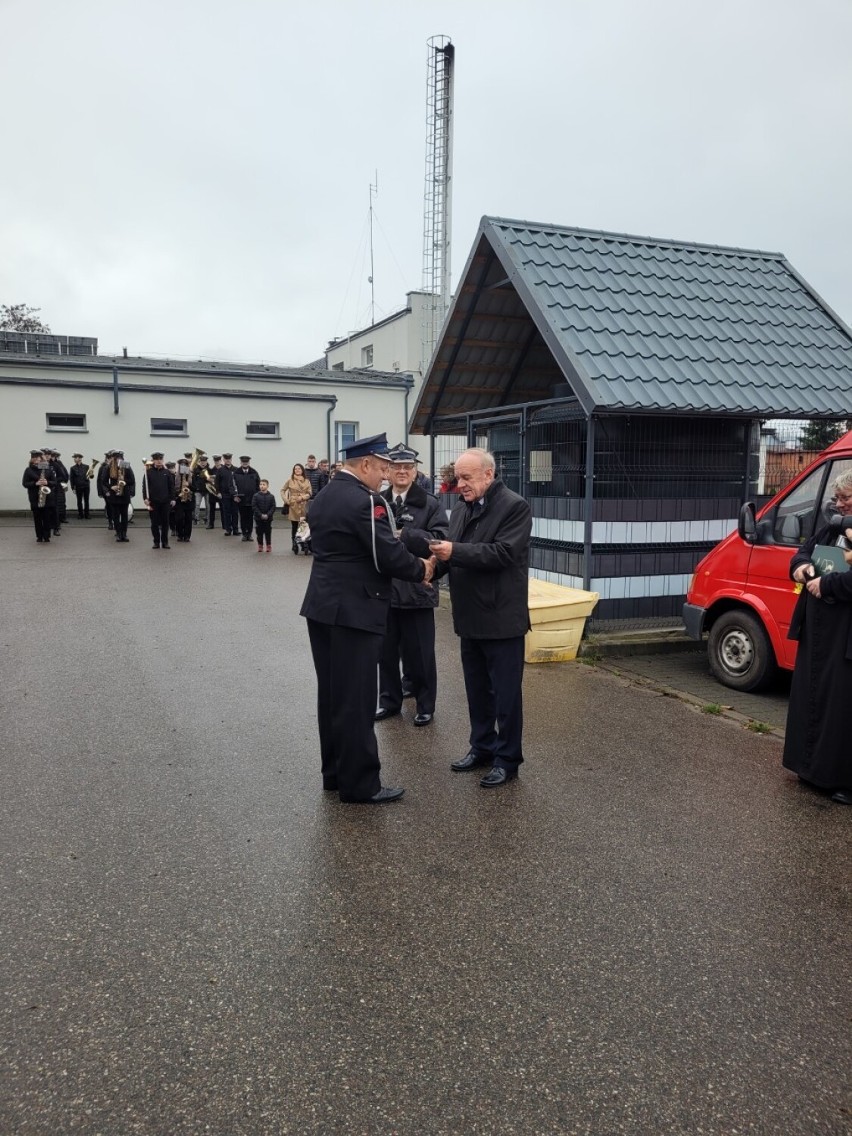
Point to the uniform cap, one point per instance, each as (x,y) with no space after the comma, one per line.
(217,457)
(245,459)
(375,446)
(76,455)
(401,453)
(228,456)
(157,456)
(36,453)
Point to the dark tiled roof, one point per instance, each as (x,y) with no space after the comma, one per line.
(636,324)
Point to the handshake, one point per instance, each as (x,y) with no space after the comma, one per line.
(428,569)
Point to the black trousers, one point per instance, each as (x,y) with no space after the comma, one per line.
(159,514)
(61,507)
(410,637)
(118,516)
(82,492)
(264,530)
(345,662)
(44,522)
(230,517)
(493,674)
(213,503)
(183,519)
(246,519)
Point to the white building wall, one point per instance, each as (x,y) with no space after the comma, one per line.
(396,343)
(215,421)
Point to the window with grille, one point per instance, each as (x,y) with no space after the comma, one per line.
(263,430)
(73,422)
(170,426)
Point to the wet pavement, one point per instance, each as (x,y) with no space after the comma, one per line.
(648,932)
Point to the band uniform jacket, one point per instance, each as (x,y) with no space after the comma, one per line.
(489,565)
(129,485)
(32,474)
(225,484)
(158,485)
(77,476)
(247,482)
(348,588)
(421,519)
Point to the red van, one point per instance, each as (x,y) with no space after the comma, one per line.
(741,592)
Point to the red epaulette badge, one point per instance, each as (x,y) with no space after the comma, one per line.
(379,511)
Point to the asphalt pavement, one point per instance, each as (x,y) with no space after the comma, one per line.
(648,932)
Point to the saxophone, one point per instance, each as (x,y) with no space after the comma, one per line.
(43,490)
(185,493)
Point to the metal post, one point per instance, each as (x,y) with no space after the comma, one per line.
(115,390)
(589,503)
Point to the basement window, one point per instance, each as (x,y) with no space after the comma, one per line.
(170,426)
(74,423)
(263,430)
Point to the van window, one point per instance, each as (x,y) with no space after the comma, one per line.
(794,516)
(826,509)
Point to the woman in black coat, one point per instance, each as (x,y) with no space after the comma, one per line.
(818,742)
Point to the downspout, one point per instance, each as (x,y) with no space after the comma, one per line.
(115,390)
(328,430)
(589,504)
(409,386)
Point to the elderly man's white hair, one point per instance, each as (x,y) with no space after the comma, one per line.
(486,459)
(843,483)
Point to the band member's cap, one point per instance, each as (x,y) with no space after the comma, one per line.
(245,459)
(170,465)
(36,453)
(189,455)
(403,454)
(228,456)
(217,457)
(76,455)
(118,453)
(203,458)
(158,456)
(375,446)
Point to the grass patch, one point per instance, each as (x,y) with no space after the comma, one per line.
(758,727)
(711,708)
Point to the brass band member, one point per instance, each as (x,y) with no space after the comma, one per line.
(39,480)
(184,503)
(158,492)
(120,486)
(61,485)
(80,482)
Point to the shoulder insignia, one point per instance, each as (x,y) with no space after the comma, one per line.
(379,511)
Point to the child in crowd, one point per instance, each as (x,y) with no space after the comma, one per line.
(263,507)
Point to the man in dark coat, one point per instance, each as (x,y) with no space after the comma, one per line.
(356,553)
(159,494)
(410,634)
(119,487)
(816,740)
(247,481)
(487,557)
(227,490)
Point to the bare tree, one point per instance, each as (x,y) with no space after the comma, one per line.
(20,317)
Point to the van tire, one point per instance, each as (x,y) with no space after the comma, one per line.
(740,652)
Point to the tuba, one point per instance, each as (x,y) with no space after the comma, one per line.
(195,457)
(90,472)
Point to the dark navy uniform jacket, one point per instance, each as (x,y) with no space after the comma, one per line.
(356,553)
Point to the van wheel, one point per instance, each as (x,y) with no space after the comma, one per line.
(740,653)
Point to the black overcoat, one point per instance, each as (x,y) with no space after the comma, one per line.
(817,744)
(355,554)
(489,566)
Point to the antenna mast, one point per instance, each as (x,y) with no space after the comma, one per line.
(374,190)
(437,198)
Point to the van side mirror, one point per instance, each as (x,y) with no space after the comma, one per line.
(746,524)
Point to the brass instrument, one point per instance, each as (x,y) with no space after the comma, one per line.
(43,490)
(90,472)
(116,470)
(185,492)
(210,483)
(196,456)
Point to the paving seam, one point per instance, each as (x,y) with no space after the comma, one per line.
(693,700)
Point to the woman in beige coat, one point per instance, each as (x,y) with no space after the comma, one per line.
(295,493)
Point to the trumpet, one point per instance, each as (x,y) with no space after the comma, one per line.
(90,472)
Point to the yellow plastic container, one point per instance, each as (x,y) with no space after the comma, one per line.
(558,616)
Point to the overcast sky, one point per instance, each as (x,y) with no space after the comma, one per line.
(191,177)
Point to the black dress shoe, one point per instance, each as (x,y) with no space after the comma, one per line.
(422,719)
(842,796)
(383,797)
(382,713)
(167,547)
(155,546)
(406,693)
(498,776)
(470,761)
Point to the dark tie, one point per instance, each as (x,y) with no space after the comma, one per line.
(398,504)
